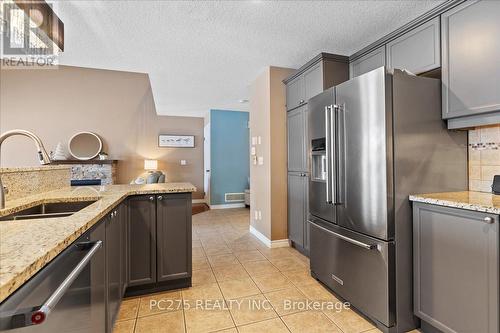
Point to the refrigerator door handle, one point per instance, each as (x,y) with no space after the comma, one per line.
(327,152)
(333,155)
(336,153)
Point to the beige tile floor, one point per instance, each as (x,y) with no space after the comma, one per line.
(231,268)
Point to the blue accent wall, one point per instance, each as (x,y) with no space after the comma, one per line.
(229,154)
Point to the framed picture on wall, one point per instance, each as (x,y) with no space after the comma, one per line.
(176,141)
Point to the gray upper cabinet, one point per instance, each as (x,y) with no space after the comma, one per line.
(470,46)
(418,50)
(313,81)
(456,265)
(297,142)
(368,62)
(320,73)
(295,93)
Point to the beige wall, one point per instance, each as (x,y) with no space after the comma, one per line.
(118,106)
(268,182)
(260,182)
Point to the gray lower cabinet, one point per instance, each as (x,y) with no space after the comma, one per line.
(122,216)
(470,47)
(142,240)
(456,267)
(418,50)
(297,139)
(297,209)
(368,62)
(113,267)
(173,228)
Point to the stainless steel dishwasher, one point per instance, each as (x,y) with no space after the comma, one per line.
(67,295)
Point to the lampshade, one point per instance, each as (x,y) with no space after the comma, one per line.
(150,164)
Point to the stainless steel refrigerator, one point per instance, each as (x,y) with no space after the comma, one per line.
(374,140)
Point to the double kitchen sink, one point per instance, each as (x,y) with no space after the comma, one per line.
(48,210)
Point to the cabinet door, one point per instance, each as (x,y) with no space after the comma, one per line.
(142,239)
(297,139)
(418,51)
(98,279)
(456,268)
(307,227)
(470,55)
(174,236)
(297,186)
(313,81)
(114,290)
(295,93)
(368,62)
(122,220)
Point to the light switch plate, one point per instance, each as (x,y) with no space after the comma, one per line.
(261,160)
(253,150)
(183,162)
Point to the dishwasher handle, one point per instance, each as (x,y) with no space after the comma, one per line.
(38,315)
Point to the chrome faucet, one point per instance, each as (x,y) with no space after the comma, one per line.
(43,157)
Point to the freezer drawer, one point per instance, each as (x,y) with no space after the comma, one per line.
(356,267)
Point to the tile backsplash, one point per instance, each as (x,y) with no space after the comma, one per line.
(484,157)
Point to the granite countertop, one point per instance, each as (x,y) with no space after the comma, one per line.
(476,201)
(31,169)
(28,245)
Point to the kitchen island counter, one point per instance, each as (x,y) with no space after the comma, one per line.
(26,246)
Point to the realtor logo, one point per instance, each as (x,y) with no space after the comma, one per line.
(29,33)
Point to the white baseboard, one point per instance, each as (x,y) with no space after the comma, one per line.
(199,201)
(267,242)
(228,206)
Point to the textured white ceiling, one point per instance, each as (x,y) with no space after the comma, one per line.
(204,54)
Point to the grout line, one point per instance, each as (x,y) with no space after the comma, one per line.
(183,311)
(289,330)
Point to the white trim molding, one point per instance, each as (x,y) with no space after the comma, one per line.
(267,242)
(228,206)
(199,201)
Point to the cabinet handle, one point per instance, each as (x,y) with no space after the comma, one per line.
(160,197)
(488,219)
(151,198)
(301,101)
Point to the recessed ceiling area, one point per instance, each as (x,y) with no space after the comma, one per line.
(204,54)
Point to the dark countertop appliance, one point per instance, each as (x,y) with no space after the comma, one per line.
(68,295)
